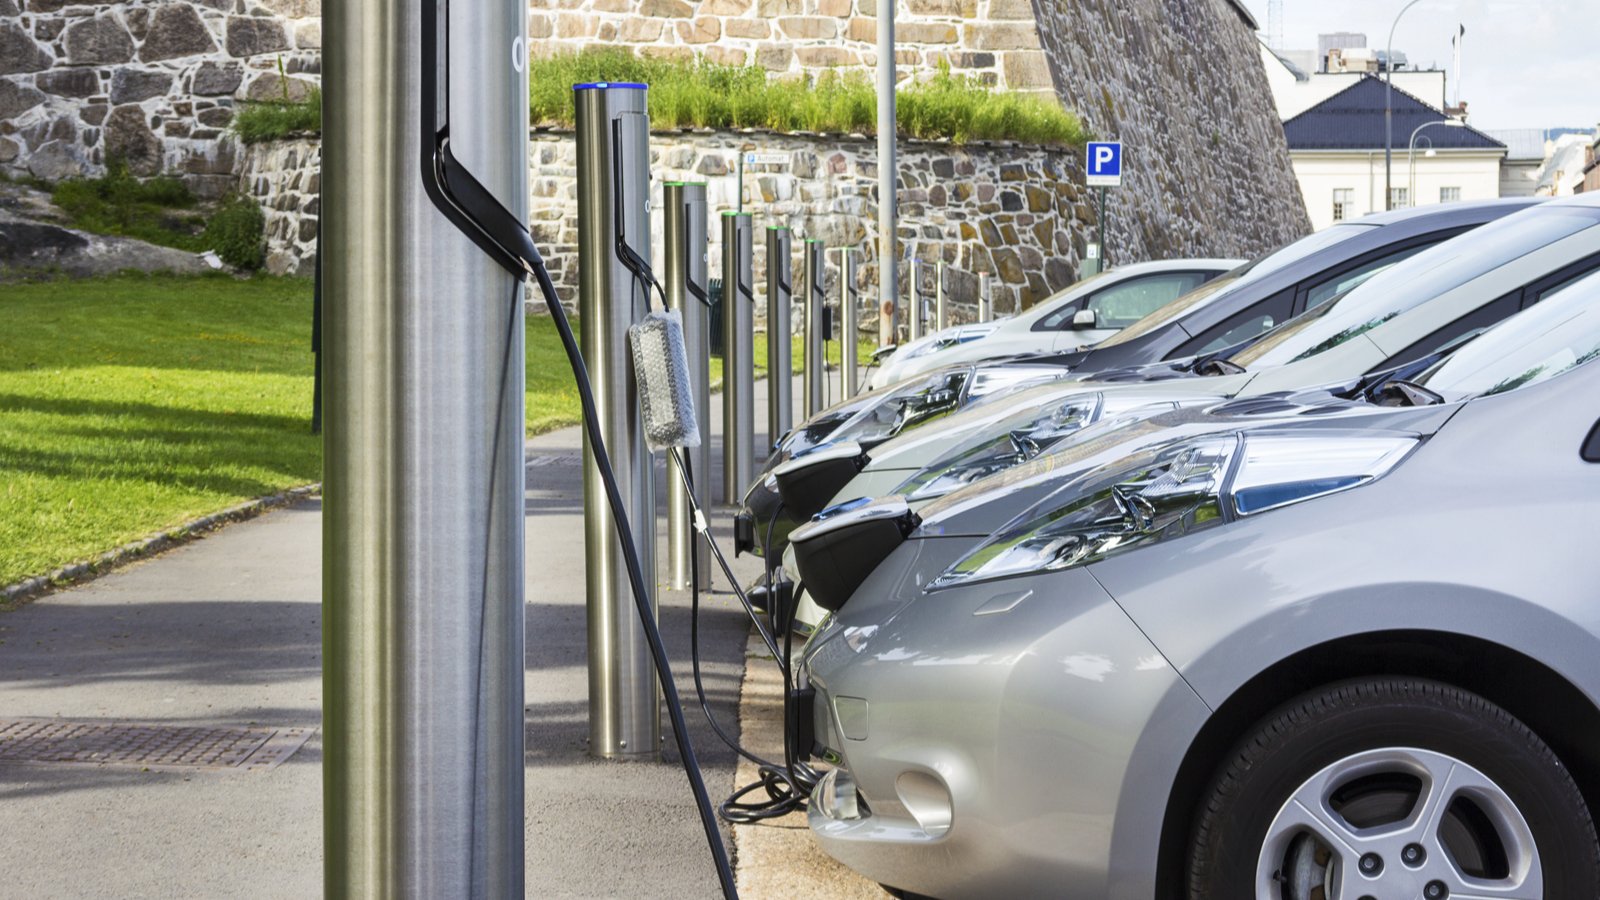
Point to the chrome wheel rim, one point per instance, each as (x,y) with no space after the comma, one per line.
(1399,822)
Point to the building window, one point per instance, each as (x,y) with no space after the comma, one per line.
(1449,195)
(1344,202)
(1399,198)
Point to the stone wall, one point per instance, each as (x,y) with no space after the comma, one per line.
(1018,213)
(151,81)
(993,40)
(285,177)
(1180,83)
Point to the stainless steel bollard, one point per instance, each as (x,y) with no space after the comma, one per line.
(914,319)
(780,328)
(816,345)
(687,248)
(614,156)
(422,542)
(738,356)
(849,324)
(985,302)
(941,308)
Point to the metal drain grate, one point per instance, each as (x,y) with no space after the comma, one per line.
(147,746)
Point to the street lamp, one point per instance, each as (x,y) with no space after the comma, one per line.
(1411,150)
(1388,112)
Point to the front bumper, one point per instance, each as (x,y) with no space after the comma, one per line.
(1032,708)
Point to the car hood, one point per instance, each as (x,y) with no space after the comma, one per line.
(984,422)
(984,507)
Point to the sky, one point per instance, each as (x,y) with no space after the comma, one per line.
(1525,63)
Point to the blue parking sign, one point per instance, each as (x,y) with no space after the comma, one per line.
(1103,164)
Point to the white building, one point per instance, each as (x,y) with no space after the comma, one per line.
(1296,89)
(1337,147)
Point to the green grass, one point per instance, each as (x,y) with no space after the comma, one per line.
(159,210)
(701,94)
(132,404)
(270,121)
(129,405)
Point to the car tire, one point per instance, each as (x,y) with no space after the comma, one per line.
(1368,748)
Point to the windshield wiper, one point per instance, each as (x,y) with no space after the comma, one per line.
(1398,392)
(1216,365)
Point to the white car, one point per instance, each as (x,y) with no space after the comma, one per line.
(1085,313)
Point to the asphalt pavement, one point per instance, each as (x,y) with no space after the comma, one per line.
(225,633)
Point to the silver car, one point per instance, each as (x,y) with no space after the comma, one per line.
(1337,658)
(1407,312)
(1085,313)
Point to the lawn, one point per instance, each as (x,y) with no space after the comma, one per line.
(130,405)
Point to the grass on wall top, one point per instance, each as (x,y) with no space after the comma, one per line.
(702,94)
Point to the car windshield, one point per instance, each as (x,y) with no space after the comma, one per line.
(1245,274)
(1559,333)
(1421,278)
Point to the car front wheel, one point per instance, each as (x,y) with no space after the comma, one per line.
(1393,787)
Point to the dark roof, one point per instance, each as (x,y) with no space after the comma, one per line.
(1353,120)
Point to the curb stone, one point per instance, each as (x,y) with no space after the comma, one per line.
(67,576)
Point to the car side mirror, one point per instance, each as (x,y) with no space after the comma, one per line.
(1084,319)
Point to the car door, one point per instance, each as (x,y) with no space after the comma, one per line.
(1118,306)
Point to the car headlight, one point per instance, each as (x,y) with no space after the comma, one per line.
(1016,446)
(1173,491)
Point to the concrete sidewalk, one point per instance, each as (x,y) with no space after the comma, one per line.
(226,632)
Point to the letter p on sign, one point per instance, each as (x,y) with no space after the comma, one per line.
(1104,163)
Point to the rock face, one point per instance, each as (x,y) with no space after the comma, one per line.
(1206,168)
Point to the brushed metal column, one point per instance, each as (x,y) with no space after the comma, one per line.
(738,356)
(624,693)
(849,324)
(941,306)
(423,466)
(888,175)
(914,312)
(687,247)
(780,345)
(985,302)
(816,346)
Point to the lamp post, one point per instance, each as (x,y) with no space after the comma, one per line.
(887,172)
(1411,151)
(1388,111)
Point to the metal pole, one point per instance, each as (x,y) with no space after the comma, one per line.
(687,246)
(1105,257)
(941,311)
(887,173)
(780,344)
(1388,111)
(613,175)
(985,302)
(738,357)
(423,467)
(816,346)
(849,323)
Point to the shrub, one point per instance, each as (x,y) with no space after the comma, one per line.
(237,232)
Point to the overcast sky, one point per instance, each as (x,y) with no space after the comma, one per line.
(1526,63)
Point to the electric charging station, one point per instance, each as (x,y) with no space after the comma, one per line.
(738,355)
(613,133)
(423,471)
(941,309)
(687,248)
(849,323)
(780,347)
(817,330)
(985,301)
